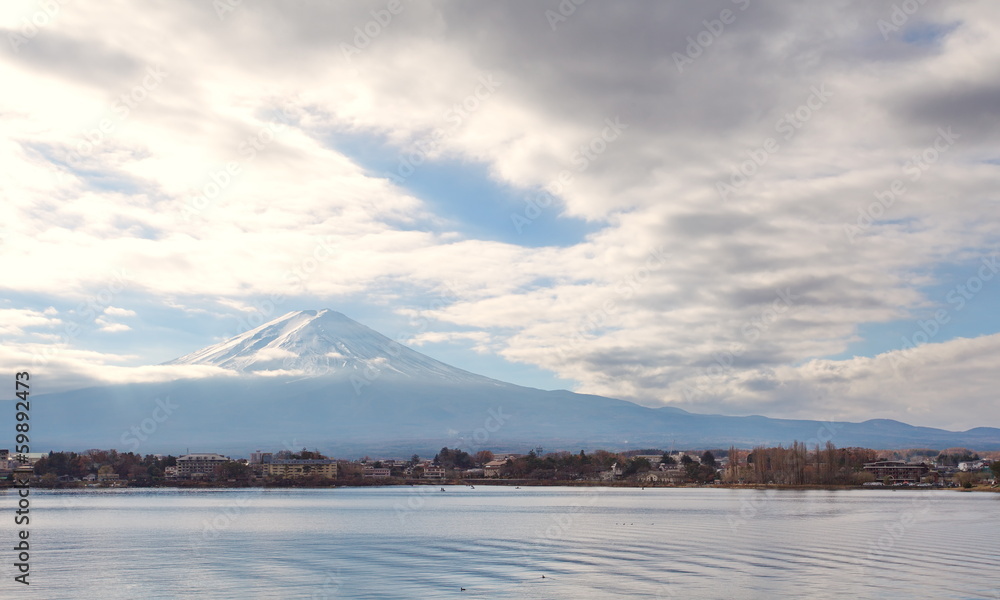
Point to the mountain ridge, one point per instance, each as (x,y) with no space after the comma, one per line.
(335,384)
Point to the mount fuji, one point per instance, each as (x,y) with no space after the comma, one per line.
(318,379)
(324,342)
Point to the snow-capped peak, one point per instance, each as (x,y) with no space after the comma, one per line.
(323,342)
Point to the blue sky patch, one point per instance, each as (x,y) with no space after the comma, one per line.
(965,301)
(465,194)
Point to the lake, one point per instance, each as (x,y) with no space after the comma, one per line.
(502,542)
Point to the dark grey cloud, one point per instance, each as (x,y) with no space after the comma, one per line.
(88,61)
(972,109)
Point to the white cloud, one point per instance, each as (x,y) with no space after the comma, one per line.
(14,321)
(109,326)
(267,354)
(297,218)
(436,337)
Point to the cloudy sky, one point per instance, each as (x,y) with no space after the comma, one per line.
(738,207)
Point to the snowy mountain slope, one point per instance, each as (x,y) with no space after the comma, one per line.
(324,342)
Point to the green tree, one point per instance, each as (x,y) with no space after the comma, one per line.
(232,469)
(636,465)
(482,457)
(708,459)
(453,459)
(700,473)
(667,459)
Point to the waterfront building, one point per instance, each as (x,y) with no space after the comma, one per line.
(897,471)
(199,465)
(293,467)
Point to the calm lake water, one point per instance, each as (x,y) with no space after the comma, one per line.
(501,542)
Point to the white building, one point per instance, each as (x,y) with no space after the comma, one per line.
(195,465)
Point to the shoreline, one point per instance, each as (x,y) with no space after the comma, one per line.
(491,482)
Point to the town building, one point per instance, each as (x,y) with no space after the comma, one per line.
(376,472)
(897,471)
(493,467)
(299,467)
(973,465)
(433,472)
(199,465)
(259,458)
(674,476)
